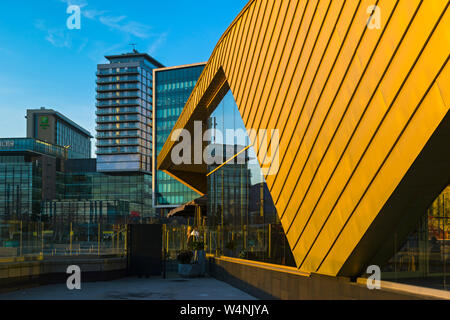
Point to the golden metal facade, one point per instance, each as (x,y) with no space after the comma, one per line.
(355,108)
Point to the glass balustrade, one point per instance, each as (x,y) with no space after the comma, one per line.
(121,86)
(117,134)
(118,79)
(113,142)
(118,110)
(118,102)
(118,118)
(118,126)
(117,95)
(118,150)
(117,71)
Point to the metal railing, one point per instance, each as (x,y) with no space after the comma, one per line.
(19,239)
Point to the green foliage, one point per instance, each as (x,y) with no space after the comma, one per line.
(185,257)
(198,245)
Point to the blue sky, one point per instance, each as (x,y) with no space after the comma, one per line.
(44,64)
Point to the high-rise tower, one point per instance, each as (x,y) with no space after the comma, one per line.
(124,113)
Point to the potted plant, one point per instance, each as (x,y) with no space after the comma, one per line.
(200,256)
(185,267)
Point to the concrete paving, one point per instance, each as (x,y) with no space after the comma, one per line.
(136,289)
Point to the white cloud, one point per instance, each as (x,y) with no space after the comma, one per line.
(56,36)
(119,23)
(83,45)
(100,49)
(80,3)
(153,48)
(92,14)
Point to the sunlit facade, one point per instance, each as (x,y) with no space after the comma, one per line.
(362,119)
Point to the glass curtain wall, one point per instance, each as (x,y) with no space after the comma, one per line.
(423,258)
(78,145)
(242,217)
(173,88)
(131,194)
(20,187)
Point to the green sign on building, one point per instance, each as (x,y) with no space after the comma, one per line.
(44,123)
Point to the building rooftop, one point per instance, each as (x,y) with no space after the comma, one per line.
(137,55)
(62,117)
(30,145)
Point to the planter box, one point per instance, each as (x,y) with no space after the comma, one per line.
(189,270)
(197,269)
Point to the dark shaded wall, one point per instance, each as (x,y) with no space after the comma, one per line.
(273,284)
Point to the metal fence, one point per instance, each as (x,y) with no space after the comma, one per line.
(20,239)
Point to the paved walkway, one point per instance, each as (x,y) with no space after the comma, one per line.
(136,289)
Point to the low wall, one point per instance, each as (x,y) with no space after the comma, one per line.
(25,274)
(8,252)
(269,282)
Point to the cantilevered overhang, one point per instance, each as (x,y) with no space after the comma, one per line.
(193,175)
(207,94)
(362,115)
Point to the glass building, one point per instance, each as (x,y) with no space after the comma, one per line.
(27,176)
(51,126)
(38,182)
(121,195)
(242,217)
(423,257)
(124,113)
(173,86)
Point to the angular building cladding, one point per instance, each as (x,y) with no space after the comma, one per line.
(124,113)
(51,126)
(172,88)
(362,115)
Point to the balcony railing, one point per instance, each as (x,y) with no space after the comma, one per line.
(122,86)
(105,72)
(118,103)
(118,134)
(112,111)
(115,150)
(118,79)
(125,118)
(119,126)
(117,142)
(123,94)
